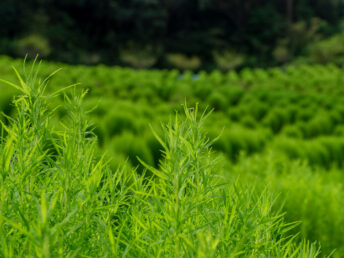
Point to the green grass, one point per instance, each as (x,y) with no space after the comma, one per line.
(60,197)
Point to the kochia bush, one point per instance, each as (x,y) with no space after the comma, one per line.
(68,202)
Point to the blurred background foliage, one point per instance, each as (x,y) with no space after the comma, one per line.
(182,34)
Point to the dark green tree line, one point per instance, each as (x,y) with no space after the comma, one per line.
(90,31)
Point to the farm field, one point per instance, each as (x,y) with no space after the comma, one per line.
(270,185)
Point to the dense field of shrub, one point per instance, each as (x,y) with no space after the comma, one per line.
(280,135)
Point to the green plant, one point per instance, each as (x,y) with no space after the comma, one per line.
(184,62)
(228,60)
(307,194)
(328,50)
(281,54)
(187,212)
(33,45)
(139,57)
(60,198)
(54,182)
(302,104)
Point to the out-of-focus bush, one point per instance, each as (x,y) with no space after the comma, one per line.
(298,36)
(325,151)
(281,52)
(228,59)
(183,62)
(33,45)
(236,140)
(292,131)
(218,101)
(276,119)
(328,51)
(139,56)
(132,147)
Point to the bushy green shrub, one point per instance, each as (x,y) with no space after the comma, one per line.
(335,116)
(308,195)
(292,131)
(258,110)
(339,130)
(323,151)
(185,186)
(248,121)
(117,123)
(184,62)
(232,93)
(33,45)
(320,124)
(228,59)
(69,202)
(132,147)
(202,92)
(138,56)
(235,113)
(276,119)
(328,50)
(236,140)
(218,101)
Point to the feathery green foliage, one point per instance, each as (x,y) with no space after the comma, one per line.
(60,198)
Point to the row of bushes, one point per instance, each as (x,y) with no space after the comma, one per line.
(296,77)
(326,151)
(251,106)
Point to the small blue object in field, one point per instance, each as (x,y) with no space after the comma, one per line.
(14,159)
(194,77)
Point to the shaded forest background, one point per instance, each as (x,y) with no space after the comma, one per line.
(183,34)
